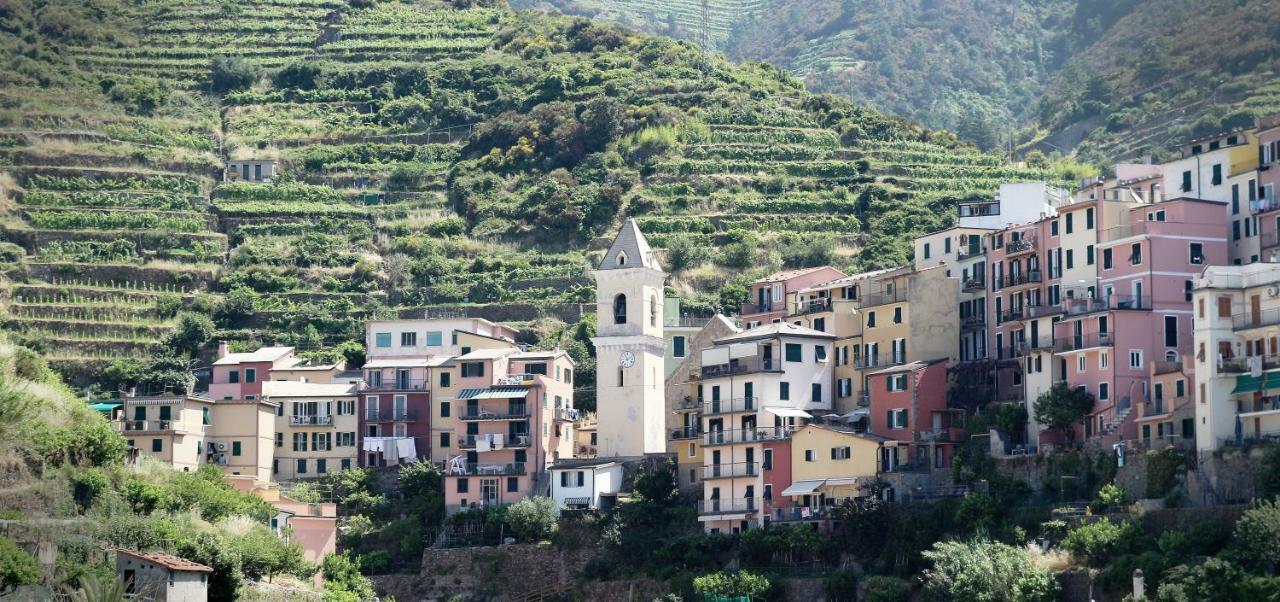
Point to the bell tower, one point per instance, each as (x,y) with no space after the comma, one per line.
(629,348)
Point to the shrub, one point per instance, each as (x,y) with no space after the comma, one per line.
(1110,496)
(229,73)
(375,562)
(532,519)
(343,581)
(17,567)
(194,330)
(739,584)
(88,485)
(1098,541)
(883,588)
(842,586)
(984,570)
(1257,536)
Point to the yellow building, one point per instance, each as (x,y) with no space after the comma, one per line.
(829,464)
(185,432)
(315,427)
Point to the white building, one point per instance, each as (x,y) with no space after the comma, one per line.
(427,337)
(162,577)
(585,484)
(630,348)
(1015,203)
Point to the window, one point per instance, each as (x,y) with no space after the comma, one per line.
(819,353)
(302,466)
(1071,258)
(841,453)
(1196,253)
(768,458)
(620,309)
(1070,222)
(1088,219)
(896,382)
(408,339)
(1187,290)
(472,369)
(1224,307)
(926,250)
(897,419)
(382,339)
(1135,253)
(1088,255)
(462,485)
(444,380)
(1104,360)
(871,319)
(233,376)
(1180,386)
(434,338)
(784,391)
(1135,358)
(279,439)
(820,324)
(1106,259)
(513,484)
(1080,363)
(322,466)
(1186,181)
(677,346)
(444,409)
(946,245)
(1053,228)
(251,375)
(235,448)
(622,378)
(897,315)
(816,392)
(1104,391)
(653,310)
(157,445)
(810,455)
(299,442)
(1217,174)
(794,352)
(1235,230)
(1171,331)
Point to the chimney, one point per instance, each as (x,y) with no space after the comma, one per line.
(222,349)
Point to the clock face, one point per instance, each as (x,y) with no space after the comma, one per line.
(627,359)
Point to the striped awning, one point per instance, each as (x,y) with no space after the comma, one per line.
(494,393)
(1247,383)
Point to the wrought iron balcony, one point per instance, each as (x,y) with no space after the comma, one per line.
(148,426)
(728,406)
(1020,246)
(728,506)
(812,306)
(1018,279)
(1076,343)
(689,432)
(519,412)
(974,284)
(396,384)
(973,322)
(508,442)
(726,471)
(318,420)
(729,437)
(395,415)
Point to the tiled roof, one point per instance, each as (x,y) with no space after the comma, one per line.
(789,274)
(293,388)
(775,329)
(168,561)
(632,242)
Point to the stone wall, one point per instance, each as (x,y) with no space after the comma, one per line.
(498,573)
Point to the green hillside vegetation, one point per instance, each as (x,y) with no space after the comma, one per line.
(436,158)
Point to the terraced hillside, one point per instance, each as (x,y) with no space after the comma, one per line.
(429,159)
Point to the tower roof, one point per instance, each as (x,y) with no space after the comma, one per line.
(629,250)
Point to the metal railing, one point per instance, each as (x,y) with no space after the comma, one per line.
(728,437)
(742,366)
(477,469)
(1084,305)
(688,432)
(508,441)
(149,425)
(966,252)
(396,384)
(898,295)
(727,406)
(396,415)
(1040,311)
(812,306)
(876,361)
(565,414)
(1264,205)
(974,284)
(864,398)
(688,402)
(728,506)
(1265,317)
(519,412)
(1155,407)
(736,469)
(1240,364)
(1076,343)
(1021,245)
(757,308)
(800,514)
(973,322)
(1018,279)
(318,420)
(1166,367)
(1013,314)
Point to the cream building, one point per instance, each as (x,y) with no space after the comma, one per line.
(630,348)
(315,427)
(186,432)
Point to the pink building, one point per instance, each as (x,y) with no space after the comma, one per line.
(1267,207)
(909,406)
(776,469)
(240,375)
(516,414)
(314,527)
(1139,307)
(768,302)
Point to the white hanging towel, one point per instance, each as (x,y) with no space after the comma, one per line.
(373,444)
(406,449)
(484,443)
(497,441)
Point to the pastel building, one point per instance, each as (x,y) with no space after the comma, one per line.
(162,577)
(768,296)
(1268,206)
(909,410)
(588,484)
(316,428)
(187,431)
(240,375)
(1222,167)
(1014,203)
(1237,343)
(963,252)
(826,465)
(515,415)
(755,386)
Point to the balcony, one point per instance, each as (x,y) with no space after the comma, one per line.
(797,514)
(759,308)
(1018,279)
(972,285)
(1167,367)
(396,384)
(1087,341)
(742,366)
(729,406)
(1020,246)
(1088,305)
(1266,317)
(688,403)
(966,252)
(1019,348)
(1141,229)
(1240,365)
(728,506)
(1156,407)
(898,295)
(864,399)
(1041,311)
(973,322)
(565,415)
(1264,205)
(729,471)
(1013,314)
(984,209)
(686,433)
(320,420)
(397,415)
(507,441)
(879,361)
(519,412)
(148,426)
(471,469)
(811,306)
(730,437)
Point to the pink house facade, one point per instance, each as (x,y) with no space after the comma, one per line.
(909,406)
(240,375)
(768,300)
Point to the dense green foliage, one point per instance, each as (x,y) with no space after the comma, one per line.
(984,570)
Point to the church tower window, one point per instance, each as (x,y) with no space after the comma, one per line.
(620,309)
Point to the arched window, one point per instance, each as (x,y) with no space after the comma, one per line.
(622,258)
(653,310)
(1171,356)
(620,309)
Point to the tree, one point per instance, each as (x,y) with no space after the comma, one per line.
(1062,407)
(17,567)
(343,581)
(1257,536)
(168,373)
(532,519)
(985,570)
(228,73)
(743,584)
(193,331)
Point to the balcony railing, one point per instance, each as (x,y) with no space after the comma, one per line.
(470,469)
(864,399)
(974,284)
(1266,317)
(742,366)
(1019,246)
(1085,305)
(795,514)
(153,426)
(396,384)
(1040,311)
(395,415)
(319,420)
(1167,367)
(967,251)
(736,469)
(1076,343)
(688,432)
(1241,364)
(898,295)
(812,306)
(565,414)
(973,322)
(1264,205)
(727,406)
(1013,314)
(1156,407)
(877,361)
(1018,279)
(519,412)
(1253,438)
(728,437)
(728,506)
(508,441)
(1140,229)
(759,308)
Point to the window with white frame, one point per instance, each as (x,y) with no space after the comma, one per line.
(1104,391)
(810,455)
(1135,358)
(1080,363)
(898,418)
(897,382)
(1104,360)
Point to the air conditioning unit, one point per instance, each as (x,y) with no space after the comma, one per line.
(1273,291)
(222,446)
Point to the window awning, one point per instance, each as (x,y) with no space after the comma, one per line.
(493,393)
(1247,383)
(842,481)
(803,487)
(788,413)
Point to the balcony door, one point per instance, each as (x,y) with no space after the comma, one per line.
(489,492)
(402,379)
(399,408)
